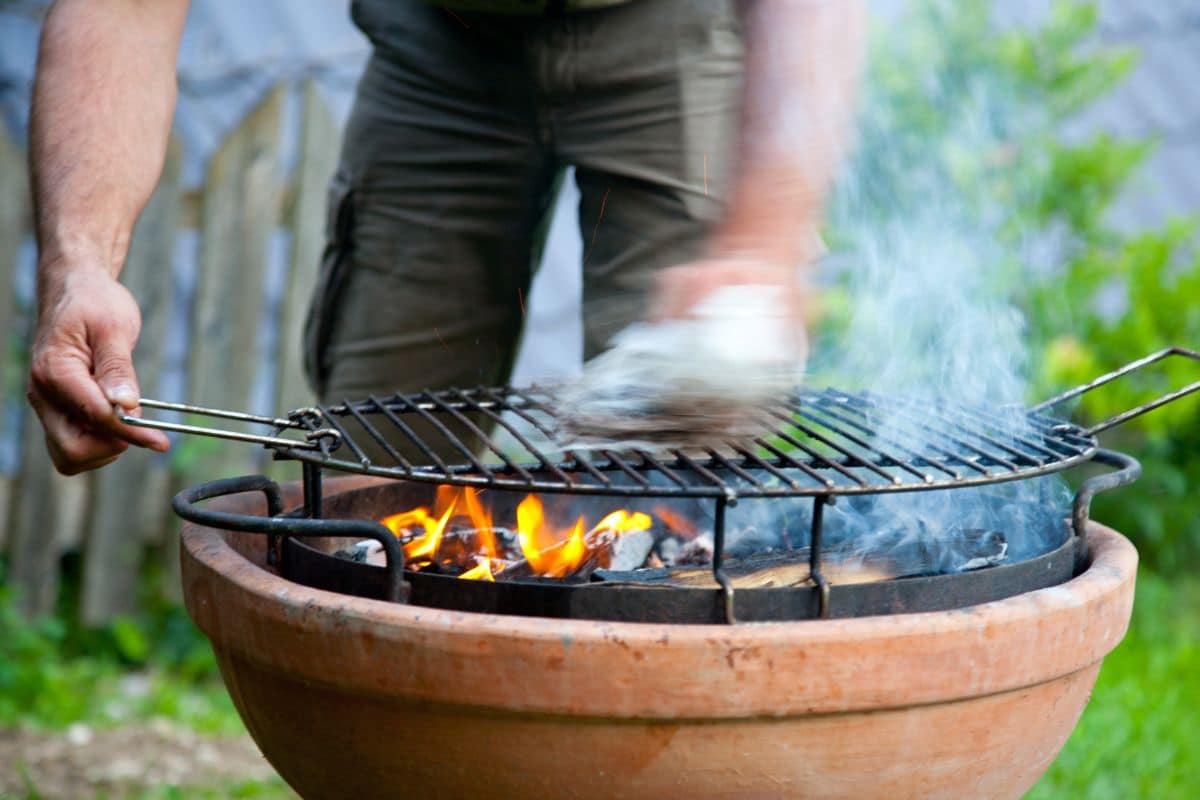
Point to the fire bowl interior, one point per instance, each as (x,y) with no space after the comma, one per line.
(311,562)
(351,697)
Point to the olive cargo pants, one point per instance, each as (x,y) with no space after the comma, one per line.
(461,126)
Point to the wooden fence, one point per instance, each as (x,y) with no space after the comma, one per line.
(111,515)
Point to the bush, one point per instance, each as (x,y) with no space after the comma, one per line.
(961,134)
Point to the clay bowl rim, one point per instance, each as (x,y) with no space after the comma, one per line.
(765,668)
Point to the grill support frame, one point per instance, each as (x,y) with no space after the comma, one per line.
(835,434)
(299,562)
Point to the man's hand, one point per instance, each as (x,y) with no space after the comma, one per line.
(81,368)
(103,99)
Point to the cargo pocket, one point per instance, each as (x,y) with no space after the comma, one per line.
(324,305)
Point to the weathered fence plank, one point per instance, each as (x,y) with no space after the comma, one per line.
(36,505)
(14,205)
(318,158)
(13,213)
(238,215)
(119,512)
(38,515)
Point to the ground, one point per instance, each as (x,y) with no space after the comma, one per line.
(151,759)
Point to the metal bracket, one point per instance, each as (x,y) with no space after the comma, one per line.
(1128,471)
(729,498)
(314,437)
(276,523)
(814,553)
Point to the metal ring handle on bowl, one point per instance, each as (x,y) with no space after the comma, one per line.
(1128,471)
(276,523)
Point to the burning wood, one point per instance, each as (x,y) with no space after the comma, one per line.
(456,535)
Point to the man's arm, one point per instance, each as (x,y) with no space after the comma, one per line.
(103,101)
(803,62)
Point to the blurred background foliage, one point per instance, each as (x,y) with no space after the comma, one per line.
(962,115)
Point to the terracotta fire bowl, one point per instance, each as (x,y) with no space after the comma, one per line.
(355,698)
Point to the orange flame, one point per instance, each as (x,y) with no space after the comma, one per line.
(481,572)
(676,522)
(421,547)
(549,550)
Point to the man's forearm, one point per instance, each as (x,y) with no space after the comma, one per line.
(803,59)
(102,109)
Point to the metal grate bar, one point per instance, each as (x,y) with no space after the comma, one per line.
(477,431)
(749,455)
(867,426)
(653,462)
(816,435)
(940,433)
(379,438)
(884,457)
(454,441)
(734,468)
(1036,427)
(795,463)
(940,412)
(616,461)
(813,454)
(811,443)
(412,436)
(524,414)
(572,455)
(346,437)
(699,469)
(953,418)
(529,446)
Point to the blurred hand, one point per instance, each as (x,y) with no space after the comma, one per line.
(81,368)
(679,290)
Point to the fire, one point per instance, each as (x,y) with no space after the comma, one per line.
(480,572)
(548,549)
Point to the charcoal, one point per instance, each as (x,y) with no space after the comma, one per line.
(629,550)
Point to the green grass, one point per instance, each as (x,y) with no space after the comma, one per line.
(1140,734)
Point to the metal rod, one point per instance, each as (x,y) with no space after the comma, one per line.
(652,462)
(884,457)
(913,457)
(241,416)
(412,436)
(814,553)
(478,432)
(733,467)
(218,433)
(749,455)
(922,421)
(378,436)
(358,451)
(1129,470)
(816,435)
(718,562)
(312,490)
(1132,366)
(795,463)
(522,440)
(454,441)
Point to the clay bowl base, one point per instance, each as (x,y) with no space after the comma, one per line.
(356,698)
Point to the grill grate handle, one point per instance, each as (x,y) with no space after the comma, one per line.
(1136,411)
(295,419)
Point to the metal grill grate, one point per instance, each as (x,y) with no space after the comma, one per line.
(816,443)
